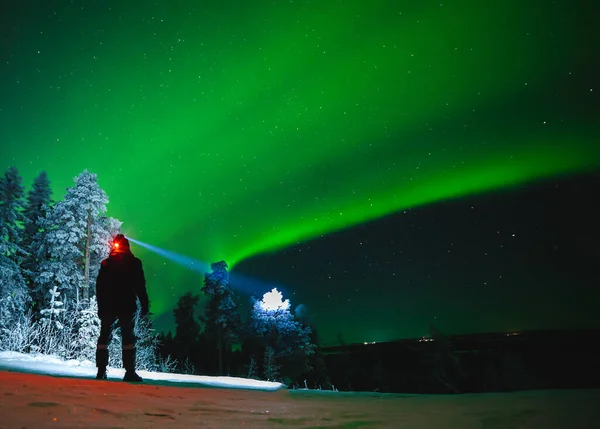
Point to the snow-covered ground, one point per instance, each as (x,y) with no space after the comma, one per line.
(49,365)
(71,398)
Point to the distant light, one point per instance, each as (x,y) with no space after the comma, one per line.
(273,301)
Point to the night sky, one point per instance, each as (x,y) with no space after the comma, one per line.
(388,164)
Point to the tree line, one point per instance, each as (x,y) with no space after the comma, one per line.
(50,254)
(266,340)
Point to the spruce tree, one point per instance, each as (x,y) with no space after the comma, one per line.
(38,203)
(76,237)
(51,316)
(13,290)
(284,338)
(270,366)
(187,327)
(222,317)
(88,330)
(12,219)
(147,343)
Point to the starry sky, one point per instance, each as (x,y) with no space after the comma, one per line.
(388,164)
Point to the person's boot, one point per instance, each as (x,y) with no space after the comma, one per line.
(101,363)
(129,365)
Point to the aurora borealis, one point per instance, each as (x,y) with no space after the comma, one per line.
(244,130)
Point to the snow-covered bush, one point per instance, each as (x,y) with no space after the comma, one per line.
(18,337)
(146,344)
(188,367)
(88,331)
(166,365)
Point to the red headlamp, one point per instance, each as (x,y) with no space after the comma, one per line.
(120,243)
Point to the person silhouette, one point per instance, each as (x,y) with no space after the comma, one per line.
(120,284)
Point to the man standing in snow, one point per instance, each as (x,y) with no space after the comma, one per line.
(120,283)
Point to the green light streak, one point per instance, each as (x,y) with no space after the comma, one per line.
(233,133)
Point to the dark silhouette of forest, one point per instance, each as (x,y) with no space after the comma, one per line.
(495,362)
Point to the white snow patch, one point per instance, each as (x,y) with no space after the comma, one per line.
(52,365)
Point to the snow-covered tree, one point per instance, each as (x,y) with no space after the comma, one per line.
(7,315)
(74,230)
(12,200)
(13,290)
(88,330)
(222,317)
(272,320)
(270,366)
(51,316)
(146,357)
(38,202)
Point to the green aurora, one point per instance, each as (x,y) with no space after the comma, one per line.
(225,130)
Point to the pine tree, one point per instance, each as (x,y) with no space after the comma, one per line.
(222,318)
(51,316)
(76,237)
(252,369)
(187,327)
(12,199)
(270,366)
(13,290)
(38,203)
(166,363)
(282,335)
(88,331)
(147,343)
(7,315)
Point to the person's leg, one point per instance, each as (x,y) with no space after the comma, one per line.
(102,347)
(127,332)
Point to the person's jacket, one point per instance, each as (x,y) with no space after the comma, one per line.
(120,281)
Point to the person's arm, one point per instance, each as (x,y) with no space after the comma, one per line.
(140,288)
(101,288)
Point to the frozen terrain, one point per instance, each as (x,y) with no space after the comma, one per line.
(71,398)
